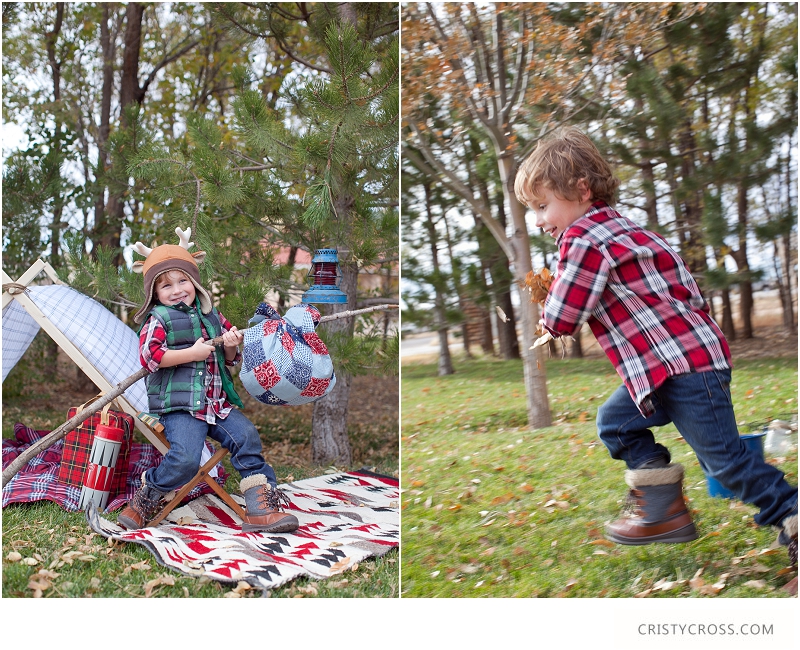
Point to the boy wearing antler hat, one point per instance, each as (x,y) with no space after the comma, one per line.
(191,390)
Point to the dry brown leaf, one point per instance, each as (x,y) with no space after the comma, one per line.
(39,586)
(538,284)
(340,565)
(756,584)
(163,579)
(141,566)
(241,587)
(505,498)
(342,583)
(602,542)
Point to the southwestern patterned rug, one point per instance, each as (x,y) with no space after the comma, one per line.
(344,518)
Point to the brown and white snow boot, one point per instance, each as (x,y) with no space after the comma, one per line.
(264,507)
(788,537)
(145,504)
(656,510)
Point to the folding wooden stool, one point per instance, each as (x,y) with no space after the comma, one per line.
(203,474)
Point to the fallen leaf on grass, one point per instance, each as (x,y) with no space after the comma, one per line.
(340,566)
(39,586)
(140,566)
(338,584)
(238,591)
(602,542)
(505,498)
(163,579)
(756,584)
(713,590)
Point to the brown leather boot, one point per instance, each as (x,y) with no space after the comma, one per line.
(788,538)
(656,509)
(263,507)
(145,504)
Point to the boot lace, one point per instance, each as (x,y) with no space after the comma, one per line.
(147,502)
(276,499)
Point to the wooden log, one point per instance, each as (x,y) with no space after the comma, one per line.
(54,436)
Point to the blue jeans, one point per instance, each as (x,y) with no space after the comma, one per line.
(186,436)
(700,406)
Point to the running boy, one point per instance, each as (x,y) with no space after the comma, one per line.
(648,314)
(191,390)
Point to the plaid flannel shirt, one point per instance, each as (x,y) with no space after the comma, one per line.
(639,298)
(153,345)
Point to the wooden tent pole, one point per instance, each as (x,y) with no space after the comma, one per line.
(20,461)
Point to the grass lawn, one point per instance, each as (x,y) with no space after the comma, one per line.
(62,557)
(490,508)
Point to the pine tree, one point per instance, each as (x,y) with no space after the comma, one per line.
(316,170)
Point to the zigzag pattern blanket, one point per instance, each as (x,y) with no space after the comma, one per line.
(344,518)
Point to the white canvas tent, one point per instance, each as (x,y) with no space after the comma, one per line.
(104,347)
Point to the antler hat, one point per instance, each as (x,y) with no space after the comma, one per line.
(169,257)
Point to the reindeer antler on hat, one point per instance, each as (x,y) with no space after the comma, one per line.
(170,257)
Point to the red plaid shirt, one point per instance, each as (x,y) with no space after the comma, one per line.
(643,305)
(153,345)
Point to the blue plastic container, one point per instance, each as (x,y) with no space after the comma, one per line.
(754,441)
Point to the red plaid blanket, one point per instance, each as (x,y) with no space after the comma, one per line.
(38,480)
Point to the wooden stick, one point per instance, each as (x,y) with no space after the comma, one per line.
(20,461)
(325,319)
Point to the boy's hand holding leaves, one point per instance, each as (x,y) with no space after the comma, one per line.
(538,284)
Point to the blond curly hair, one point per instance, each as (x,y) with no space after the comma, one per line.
(559,162)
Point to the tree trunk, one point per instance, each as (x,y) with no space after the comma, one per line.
(727,315)
(533,363)
(329,442)
(445,361)
(58,199)
(109,233)
(506,331)
(743,266)
(108,47)
(649,184)
(502,279)
(577,345)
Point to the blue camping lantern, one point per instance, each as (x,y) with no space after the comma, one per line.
(325,277)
